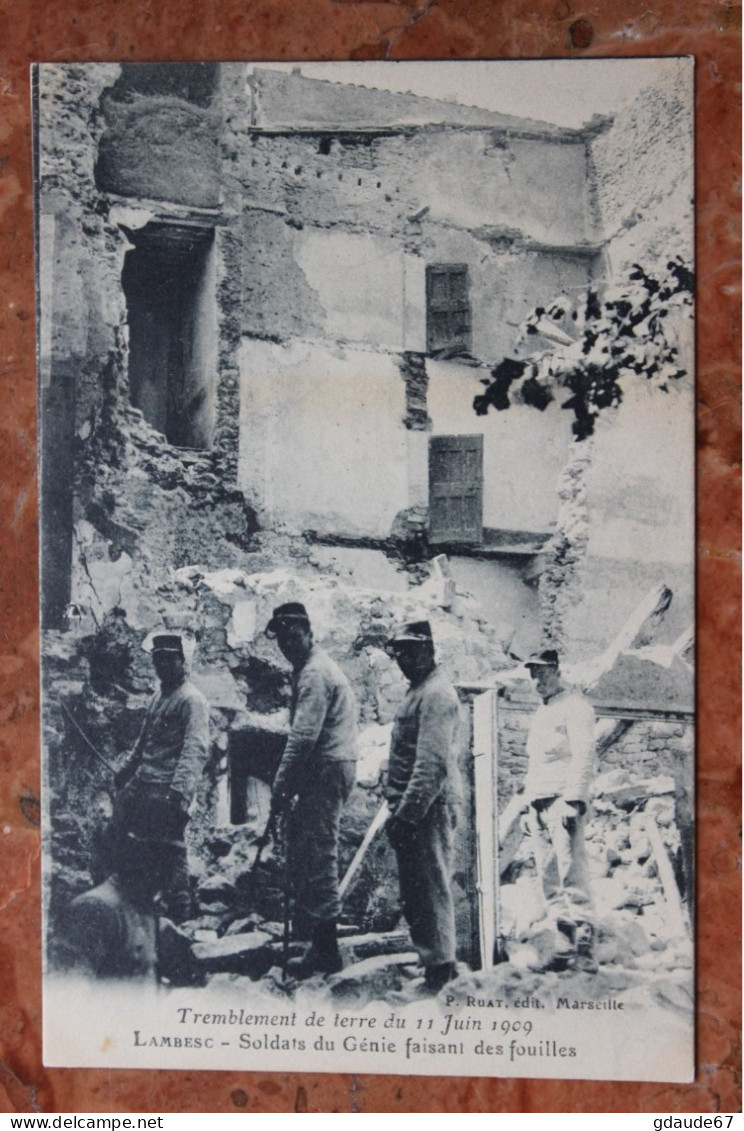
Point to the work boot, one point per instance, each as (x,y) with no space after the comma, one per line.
(563,950)
(323,955)
(435,977)
(584,960)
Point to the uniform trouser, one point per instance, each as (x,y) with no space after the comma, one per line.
(425,875)
(560,859)
(312,844)
(139,810)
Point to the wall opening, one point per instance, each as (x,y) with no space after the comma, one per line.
(252,759)
(169,284)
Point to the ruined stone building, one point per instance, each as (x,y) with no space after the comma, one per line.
(295,277)
(266,305)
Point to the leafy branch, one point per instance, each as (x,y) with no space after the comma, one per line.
(594,343)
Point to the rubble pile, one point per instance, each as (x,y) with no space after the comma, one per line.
(634,852)
(98,686)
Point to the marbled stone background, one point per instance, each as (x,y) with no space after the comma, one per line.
(120,30)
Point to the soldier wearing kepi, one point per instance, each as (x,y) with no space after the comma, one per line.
(318,768)
(422,792)
(561,765)
(158,782)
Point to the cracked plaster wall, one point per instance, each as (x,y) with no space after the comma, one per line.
(337,241)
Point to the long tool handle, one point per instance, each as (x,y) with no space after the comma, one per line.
(262,841)
(377,823)
(285,938)
(87,741)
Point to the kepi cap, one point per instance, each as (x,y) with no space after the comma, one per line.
(168,642)
(292,612)
(412,631)
(548,658)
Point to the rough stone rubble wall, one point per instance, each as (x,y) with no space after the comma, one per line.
(81,251)
(643,174)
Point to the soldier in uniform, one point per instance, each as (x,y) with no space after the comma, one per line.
(158,782)
(110,931)
(422,792)
(314,779)
(561,763)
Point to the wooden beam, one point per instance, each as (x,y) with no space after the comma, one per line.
(637,631)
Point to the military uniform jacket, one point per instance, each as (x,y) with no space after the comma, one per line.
(323,719)
(423,752)
(174,742)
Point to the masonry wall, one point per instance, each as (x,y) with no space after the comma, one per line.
(523,450)
(337,231)
(82,325)
(633,508)
(336,242)
(648,218)
(641,521)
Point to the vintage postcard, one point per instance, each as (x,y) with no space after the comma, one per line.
(366,405)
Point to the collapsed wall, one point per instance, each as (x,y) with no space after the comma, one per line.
(642,172)
(619,534)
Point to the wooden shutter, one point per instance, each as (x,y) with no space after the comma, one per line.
(447,307)
(456,488)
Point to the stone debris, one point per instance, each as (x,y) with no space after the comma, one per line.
(374,977)
(248,953)
(355,948)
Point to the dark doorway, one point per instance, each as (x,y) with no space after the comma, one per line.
(169,287)
(253,755)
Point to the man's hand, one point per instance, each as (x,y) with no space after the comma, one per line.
(123,776)
(400,833)
(281,800)
(168,814)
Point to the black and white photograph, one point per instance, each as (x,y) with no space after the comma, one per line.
(366,405)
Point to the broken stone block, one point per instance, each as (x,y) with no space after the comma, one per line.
(254,922)
(356,948)
(373,977)
(216,889)
(202,935)
(242,626)
(203,923)
(218,908)
(239,954)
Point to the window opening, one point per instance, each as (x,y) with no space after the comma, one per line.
(168,281)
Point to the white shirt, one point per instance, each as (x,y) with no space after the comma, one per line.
(560,747)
